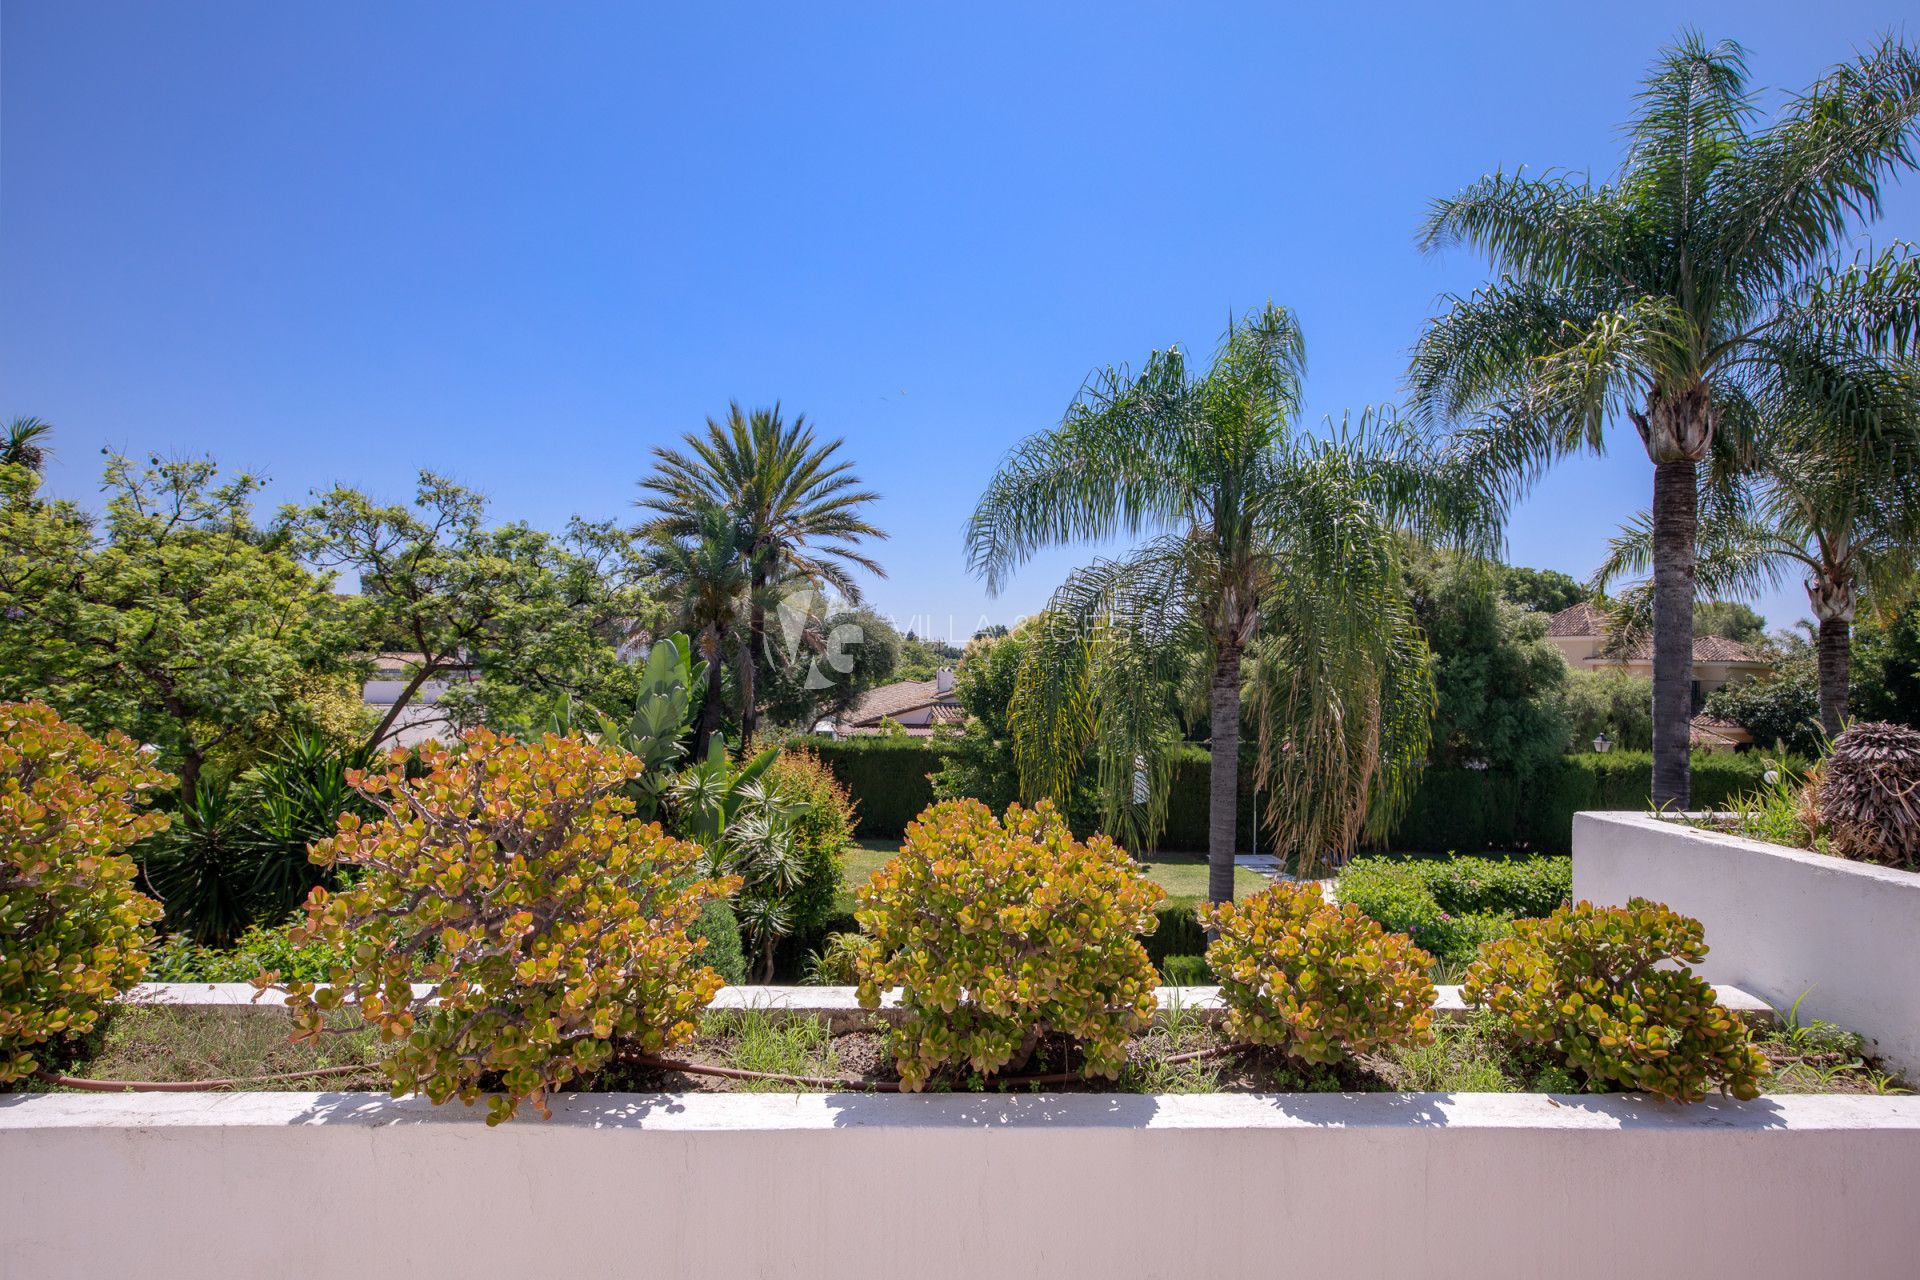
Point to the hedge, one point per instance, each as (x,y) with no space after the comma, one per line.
(890,779)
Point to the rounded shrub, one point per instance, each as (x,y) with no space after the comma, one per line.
(723,950)
(1316,981)
(513,876)
(1585,982)
(1868,794)
(1002,934)
(74,932)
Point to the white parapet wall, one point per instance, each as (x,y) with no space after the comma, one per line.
(1780,923)
(800,1186)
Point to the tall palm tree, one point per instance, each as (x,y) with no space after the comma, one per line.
(797,505)
(1840,505)
(1267,545)
(22,445)
(706,577)
(1705,278)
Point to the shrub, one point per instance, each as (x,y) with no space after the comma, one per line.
(822,829)
(1868,795)
(1315,980)
(73,930)
(723,951)
(1583,983)
(513,876)
(261,949)
(1452,905)
(837,962)
(1186,971)
(1002,934)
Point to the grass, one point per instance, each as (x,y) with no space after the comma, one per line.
(751,1040)
(169,1043)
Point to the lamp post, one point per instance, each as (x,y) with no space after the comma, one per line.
(1601,743)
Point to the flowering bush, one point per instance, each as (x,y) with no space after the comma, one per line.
(73,930)
(1584,983)
(1315,980)
(1002,934)
(514,877)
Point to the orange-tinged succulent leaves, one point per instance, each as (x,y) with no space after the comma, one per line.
(512,876)
(73,930)
(1002,933)
(1317,981)
(1583,982)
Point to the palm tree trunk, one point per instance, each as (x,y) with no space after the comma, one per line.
(1675,520)
(1836,644)
(1223,777)
(709,722)
(756,647)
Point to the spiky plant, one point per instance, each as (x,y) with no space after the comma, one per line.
(1705,279)
(1869,794)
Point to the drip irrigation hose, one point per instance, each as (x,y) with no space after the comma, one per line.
(188,1086)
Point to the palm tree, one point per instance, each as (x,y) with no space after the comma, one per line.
(796,505)
(1840,505)
(706,577)
(1268,545)
(22,446)
(1703,280)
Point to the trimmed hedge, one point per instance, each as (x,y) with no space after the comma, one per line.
(890,779)
(1179,933)
(1474,810)
(1452,905)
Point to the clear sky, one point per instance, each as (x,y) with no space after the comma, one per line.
(523,244)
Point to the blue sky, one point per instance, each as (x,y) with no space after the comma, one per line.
(523,244)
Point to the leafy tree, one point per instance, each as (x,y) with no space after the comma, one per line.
(1610,701)
(1267,540)
(539,615)
(922,659)
(1497,680)
(1886,657)
(835,655)
(1728,618)
(1542,590)
(705,581)
(797,507)
(1698,285)
(175,618)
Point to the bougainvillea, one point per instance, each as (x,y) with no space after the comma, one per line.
(1003,933)
(513,876)
(1584,982)
(1315,980)
(73,930)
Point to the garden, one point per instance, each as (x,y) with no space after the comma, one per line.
(608,862)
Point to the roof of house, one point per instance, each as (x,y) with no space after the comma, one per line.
(899,697)
(1707,729)
(1590,620)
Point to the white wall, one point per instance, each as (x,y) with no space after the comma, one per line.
(732,1186)
(1779,922)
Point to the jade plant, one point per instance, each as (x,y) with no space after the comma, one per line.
(1001,934)
(513,876)
(73,929)
(1316,981)
(1608,990)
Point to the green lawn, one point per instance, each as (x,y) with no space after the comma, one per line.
(1182,875)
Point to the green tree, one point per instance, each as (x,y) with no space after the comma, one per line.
(1542,590)
(1608,701)
(835,655)
(24,445)
(1267,540)
(705,580)
(175,618)
(797,505)
(1699,283)
(1499,684)
(1727,618)
(538,615)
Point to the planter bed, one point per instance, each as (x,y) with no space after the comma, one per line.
(1842,938)
(819,1038)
